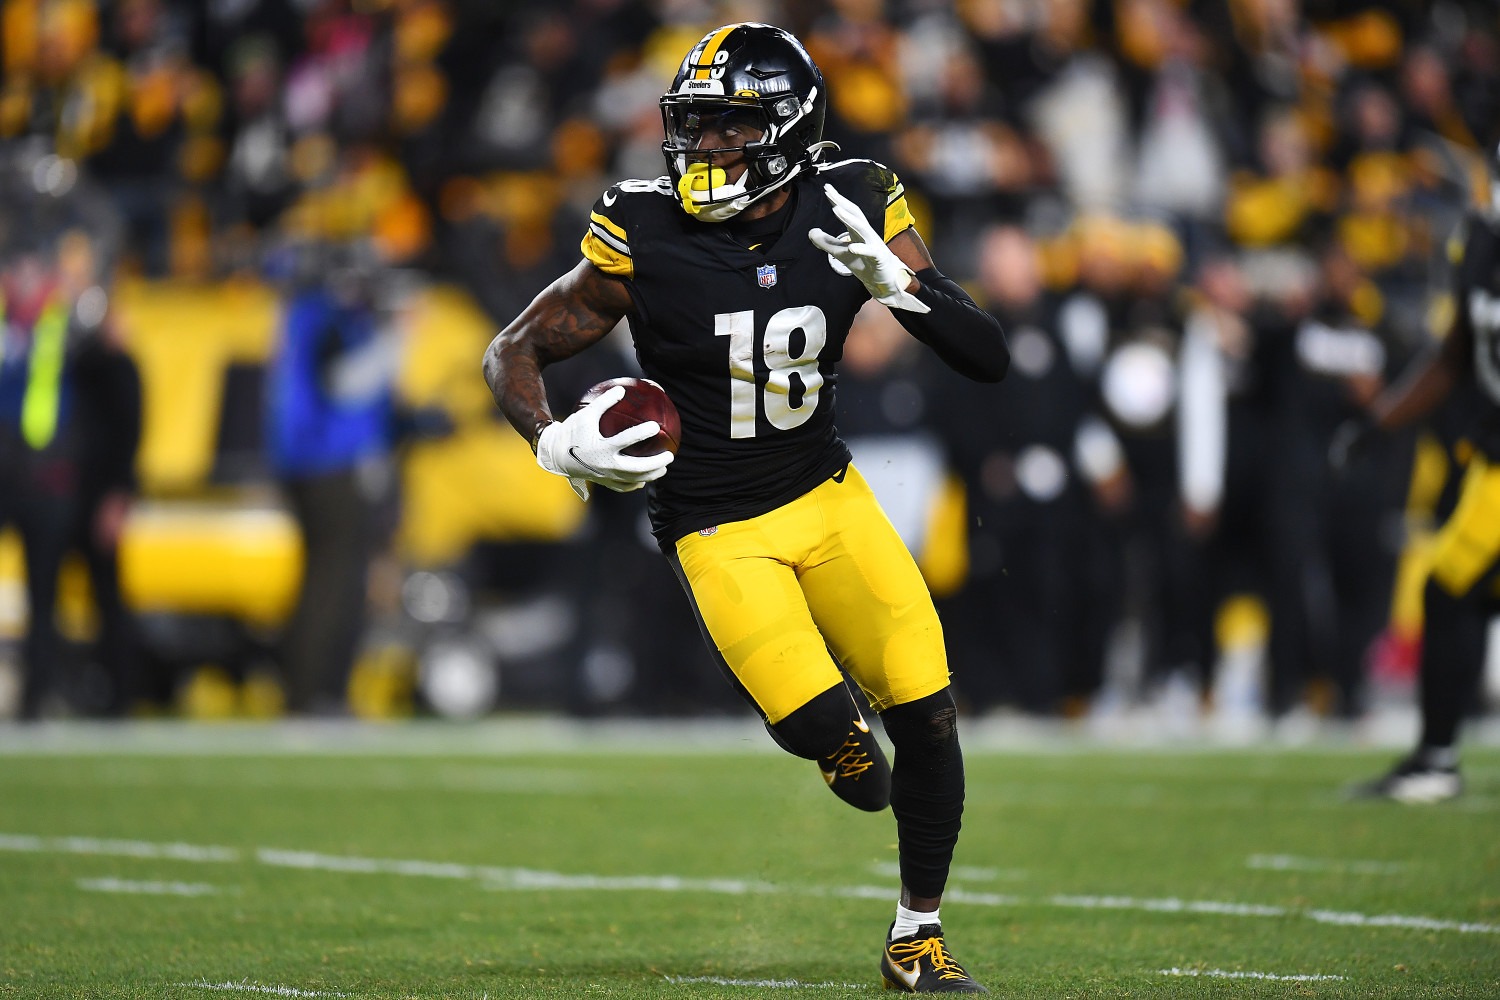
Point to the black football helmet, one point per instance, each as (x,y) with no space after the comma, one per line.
(758,76)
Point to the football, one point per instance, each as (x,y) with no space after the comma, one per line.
(644,400)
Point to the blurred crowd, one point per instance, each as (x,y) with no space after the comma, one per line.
(1213,229)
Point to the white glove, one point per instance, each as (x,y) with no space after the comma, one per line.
(865,256)
(574,448)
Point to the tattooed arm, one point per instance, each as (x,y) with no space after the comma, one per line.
(573,312)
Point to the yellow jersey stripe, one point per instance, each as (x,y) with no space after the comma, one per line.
(610,225)
(897,218)
(706,61)
(605,257)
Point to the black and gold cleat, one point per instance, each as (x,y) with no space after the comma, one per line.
(921,963)
(857,771)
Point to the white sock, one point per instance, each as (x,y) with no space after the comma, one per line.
(909,921)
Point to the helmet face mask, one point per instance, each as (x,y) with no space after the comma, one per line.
(746,99)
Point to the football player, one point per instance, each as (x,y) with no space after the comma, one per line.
(740,272)
(1461,593)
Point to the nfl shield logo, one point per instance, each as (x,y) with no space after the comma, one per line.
(767,275)
(706,532)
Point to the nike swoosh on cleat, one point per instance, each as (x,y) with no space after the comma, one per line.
(609,198)
(910,978)
(828,776)
(860,723)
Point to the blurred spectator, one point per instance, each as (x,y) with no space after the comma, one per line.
(1330,545)
(258,173)
(965,156)
(1289,198)
(39,448)
(1221,418)
(109,417)
(57,244)
(1180,164)
(1014,632)
(330,425)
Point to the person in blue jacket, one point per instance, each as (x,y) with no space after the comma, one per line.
(330,417)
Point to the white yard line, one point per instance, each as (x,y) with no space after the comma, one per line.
(280,991)
(509,878)
(773,984)
(1292,863)
(365,866)
(397,776)
(1170,905)
(147,888)
(1397,920)
(122,848)
(1226,974)
(529,879)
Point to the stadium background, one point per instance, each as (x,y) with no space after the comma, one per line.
(1244,163)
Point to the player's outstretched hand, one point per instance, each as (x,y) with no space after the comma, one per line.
(861,252)
(576,448)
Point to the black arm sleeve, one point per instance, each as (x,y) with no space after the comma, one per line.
(968,339)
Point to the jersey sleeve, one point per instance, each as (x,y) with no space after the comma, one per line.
(606,242)
(897,215)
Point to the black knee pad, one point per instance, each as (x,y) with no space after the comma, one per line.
(923,726)
(819,727)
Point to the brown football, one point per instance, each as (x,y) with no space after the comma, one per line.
(644,400)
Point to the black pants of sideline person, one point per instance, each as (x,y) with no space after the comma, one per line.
(1330,568)
(45,521)
(118,647)
(319,645)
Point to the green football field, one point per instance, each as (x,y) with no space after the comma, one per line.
(610,870)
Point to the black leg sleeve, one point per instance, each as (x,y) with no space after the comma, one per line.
(1452,658)
(927,789)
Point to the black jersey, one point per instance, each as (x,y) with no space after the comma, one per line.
(744,338)
(1476,294)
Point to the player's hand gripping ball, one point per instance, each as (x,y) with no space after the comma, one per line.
(643,401)
(623,435)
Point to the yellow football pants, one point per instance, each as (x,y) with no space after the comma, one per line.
(825,573)
(1468,544)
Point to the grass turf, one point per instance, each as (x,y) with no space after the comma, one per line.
(1130,831)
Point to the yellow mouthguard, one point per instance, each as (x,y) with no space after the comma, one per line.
(697,183)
